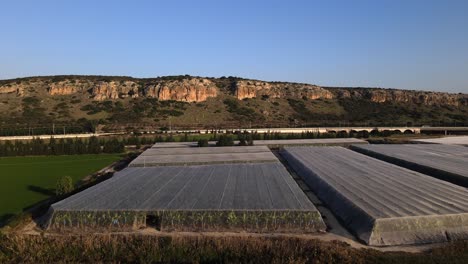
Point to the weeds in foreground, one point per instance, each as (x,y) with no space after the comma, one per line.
(199,249)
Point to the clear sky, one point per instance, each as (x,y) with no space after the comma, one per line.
(408,44)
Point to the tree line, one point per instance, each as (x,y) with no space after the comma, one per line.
(61,146)
(76,146)
(93,145)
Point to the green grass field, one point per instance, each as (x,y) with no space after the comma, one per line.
(24,181)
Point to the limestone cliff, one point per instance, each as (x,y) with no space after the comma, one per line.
(186,90)
(198,89)
(250,89)
(113,90)
(12,89)
(63,88)
(402,96)
(16,89)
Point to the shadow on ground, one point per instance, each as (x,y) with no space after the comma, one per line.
(41,190)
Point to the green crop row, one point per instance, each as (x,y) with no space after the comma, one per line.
(228,220)
(255,221)
(109,220)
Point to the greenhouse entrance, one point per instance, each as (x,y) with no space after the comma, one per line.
(153,221)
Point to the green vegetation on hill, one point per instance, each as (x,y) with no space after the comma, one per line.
(389,113)
(241,112)
(25,181)
(36,111)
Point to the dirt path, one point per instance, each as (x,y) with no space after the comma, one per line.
(32,229)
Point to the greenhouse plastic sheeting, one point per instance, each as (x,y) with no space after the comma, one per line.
(383,204)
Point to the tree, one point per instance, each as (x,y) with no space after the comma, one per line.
(94,147)
(64,185)
(80,147)
(52,146)
(245,139)
(242,142)
(249,139)
(68,147)
(113,146)
(170,138)
(138,143)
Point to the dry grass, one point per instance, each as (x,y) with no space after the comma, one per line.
(200,249)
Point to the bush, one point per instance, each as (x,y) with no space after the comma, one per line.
(225,140)
(203,142)
(245,139)
(64,186)
(242,142)
(234,107)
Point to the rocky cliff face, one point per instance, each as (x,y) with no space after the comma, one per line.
(16,89)
(250,89)
(187,90)
(62,88)
(114,90)
(197,89)
(402,96)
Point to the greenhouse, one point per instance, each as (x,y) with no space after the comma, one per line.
(203,156)
(446,162)
(256,197)
(206,150)
(274,143)
(381,203)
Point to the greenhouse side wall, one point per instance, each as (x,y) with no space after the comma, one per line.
(258,221)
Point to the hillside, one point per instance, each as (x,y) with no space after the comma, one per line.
(115,103)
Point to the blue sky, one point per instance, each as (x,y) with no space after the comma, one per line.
(408,44)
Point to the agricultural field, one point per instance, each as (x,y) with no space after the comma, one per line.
(24,181)
(382,204)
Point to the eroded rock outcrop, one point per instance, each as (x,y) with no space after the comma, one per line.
(251,89)
(402,96)
(114,90)
(62,88)
(12,89)
(186,90)
(198,89)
